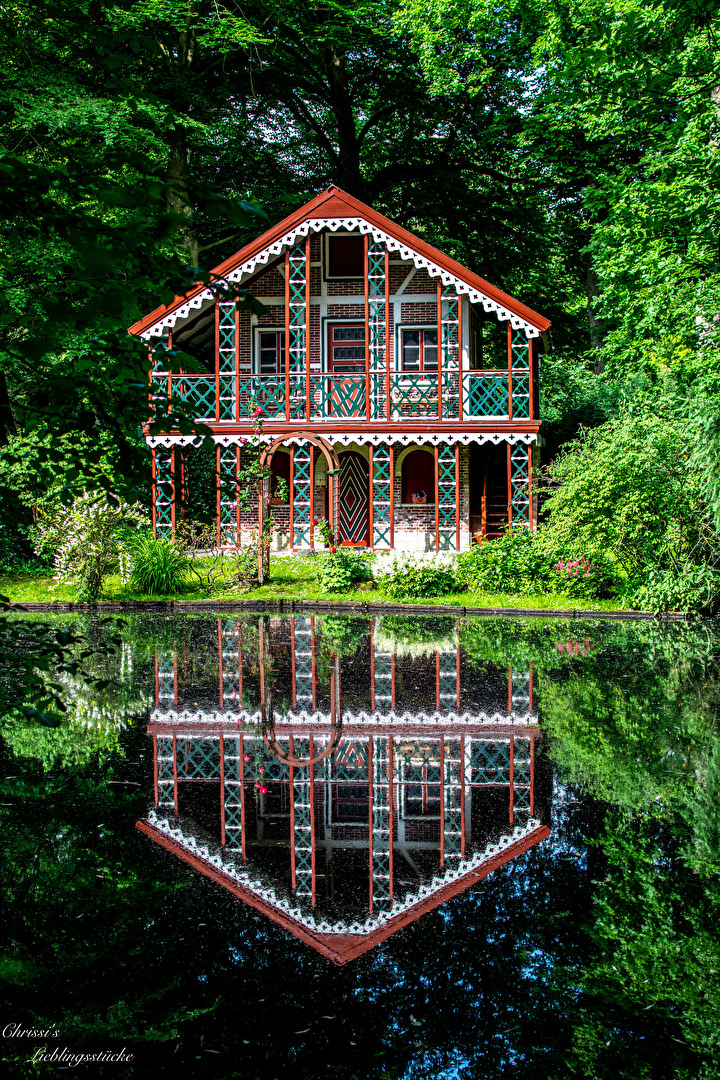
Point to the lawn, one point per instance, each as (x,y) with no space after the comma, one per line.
(292,579)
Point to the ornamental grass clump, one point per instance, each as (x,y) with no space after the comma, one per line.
(156,566)
(404,575)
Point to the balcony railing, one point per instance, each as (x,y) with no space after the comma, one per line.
(338,397)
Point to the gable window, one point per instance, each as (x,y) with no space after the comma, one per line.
(419,350)
(344,255)
(271,352)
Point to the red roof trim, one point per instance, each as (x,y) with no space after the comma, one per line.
(341,199)
(341,948)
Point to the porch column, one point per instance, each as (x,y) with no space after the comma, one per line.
(163,484)
(226,513)
(302,480)
(381,887)
(452,795)
(297,315)
(447,497)
(449,353)
(227,344)
(519,469)
(377,316)
(382,510)
(303,823)
(519,361)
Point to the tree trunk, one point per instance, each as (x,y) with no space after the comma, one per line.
(179,202)
(7,420)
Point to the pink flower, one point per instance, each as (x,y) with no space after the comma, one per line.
(333,551)
(262,789)
(247,757)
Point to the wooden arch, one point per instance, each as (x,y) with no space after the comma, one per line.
(333,472)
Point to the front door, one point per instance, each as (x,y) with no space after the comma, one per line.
(353,499)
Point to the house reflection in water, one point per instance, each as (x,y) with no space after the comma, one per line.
(342,799)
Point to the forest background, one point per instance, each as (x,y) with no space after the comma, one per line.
(567,150)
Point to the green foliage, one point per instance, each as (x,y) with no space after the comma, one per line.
(625,493)
(416,574)
(86,538)
(343,568)
(158,565)
(690,587)
(513,563)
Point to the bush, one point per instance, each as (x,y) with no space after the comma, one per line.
(343,568)
(585,579)
(412,574)
(514,563)
(85,538)
(157,566)
(692,587)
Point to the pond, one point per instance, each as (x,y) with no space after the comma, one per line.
(392,847)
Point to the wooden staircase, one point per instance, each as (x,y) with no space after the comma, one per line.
(488,491)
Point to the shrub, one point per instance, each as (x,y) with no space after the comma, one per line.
(86,538)
(157,565)
(585,579)
(514,563)
(415,574)
(343,568)
(692,587)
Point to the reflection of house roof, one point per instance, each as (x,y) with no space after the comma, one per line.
(340,941)
(291,719)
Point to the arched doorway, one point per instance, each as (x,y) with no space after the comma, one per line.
(353,517)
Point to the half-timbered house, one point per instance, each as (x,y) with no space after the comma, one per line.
(397,388)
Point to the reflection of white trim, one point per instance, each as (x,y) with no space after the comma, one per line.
(362,438)
(345,224)
(349,719)
(248,880)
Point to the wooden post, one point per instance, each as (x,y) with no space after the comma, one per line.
(483,503)
(371,508)
(155,766)
(237,358)
(175,776)
(390,813)
(509,487)
(391,448)
(512,776)
(442,802)
(388,381)
(366,264)
(241,766)
(307,339)
(222,792)
(458,501)
(439,355)
(220,665)
(287,334)
(292,496)
(217,359)
(370,816)
(437,498)
(510,371)
(460,356)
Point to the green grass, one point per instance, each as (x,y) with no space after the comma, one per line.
(292,579)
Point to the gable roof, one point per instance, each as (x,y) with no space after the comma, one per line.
(335,209)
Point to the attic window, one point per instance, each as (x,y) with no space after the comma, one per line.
(344,255)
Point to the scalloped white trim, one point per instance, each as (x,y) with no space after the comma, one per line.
(240,876)
(349,719)
(346,224)
(361,438)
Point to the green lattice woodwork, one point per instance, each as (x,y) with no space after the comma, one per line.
(303,821)
(163,492)
(485,394)
(198,759)
(297,308)
(382,674)
(522,775)
(489,762)
(520,354)
(520,691)
(302,493)
(350,762)
(447,679)
(268,392)
(377,329)
(381,825)
(519,467)
(233,793)
(382,466)
(447,500)
(452,794)
(165,680)
(227,357)
(337,397)
(413,394)
(159,351)
(165,772)
(303,667)
(450,349)
(229,645)
(227,466)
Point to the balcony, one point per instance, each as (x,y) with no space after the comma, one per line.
(317,398)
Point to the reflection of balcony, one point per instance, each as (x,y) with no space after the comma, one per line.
(341,822)
(394,396)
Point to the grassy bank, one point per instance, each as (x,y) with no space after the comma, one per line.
(292,579)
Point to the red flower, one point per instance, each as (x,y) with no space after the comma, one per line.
(315,521)
(261,768)
(247,757)
(262,789)
(333,551)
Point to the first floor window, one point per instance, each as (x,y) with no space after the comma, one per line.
(419,350)
(271,352)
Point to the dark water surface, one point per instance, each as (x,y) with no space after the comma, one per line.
(346,847)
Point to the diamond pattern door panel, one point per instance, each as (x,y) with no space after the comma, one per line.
(354,479)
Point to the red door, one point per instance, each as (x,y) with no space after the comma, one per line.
(346,363)
(353,499)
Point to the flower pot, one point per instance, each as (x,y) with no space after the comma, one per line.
(416,500)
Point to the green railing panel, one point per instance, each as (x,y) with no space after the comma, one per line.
(413,394)
(485,393)
(337,397)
